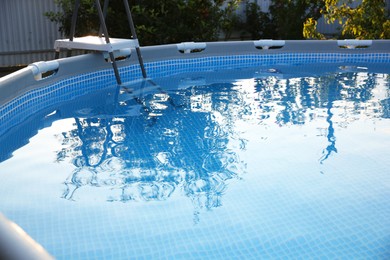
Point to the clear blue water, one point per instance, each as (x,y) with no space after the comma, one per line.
(256,163)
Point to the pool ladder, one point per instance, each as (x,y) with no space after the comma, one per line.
(100,43)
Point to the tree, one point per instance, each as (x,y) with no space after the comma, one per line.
(87,20)
(258,23)
(289,16)
(368,20)
(284,20)
(230,19)
(157,21)
(161,22)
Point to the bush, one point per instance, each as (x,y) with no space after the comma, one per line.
(284,21)
(368,20)
(258,24)
(87,21)
(157,21)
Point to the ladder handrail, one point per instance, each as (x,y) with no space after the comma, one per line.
(104,27)
(134,33)
(104,32)
(73,24)
(105,8)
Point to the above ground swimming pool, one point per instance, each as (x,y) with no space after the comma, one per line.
(259,154)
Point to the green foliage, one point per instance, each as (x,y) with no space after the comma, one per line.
(367,20)
(258,24)
(157,21)
(284,21)
(87,18)
(310,30)
(161,21)
(288,17)
(230,21)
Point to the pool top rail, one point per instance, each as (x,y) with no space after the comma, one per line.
(21,81)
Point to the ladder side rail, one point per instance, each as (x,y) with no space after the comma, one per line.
(72,29)
(107,38)
(105,9)
(133,32)
(73,24)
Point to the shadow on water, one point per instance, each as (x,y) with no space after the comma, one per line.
(145,145)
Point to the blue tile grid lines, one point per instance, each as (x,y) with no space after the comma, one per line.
(14,112)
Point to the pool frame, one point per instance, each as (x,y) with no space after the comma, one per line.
(20,82)
(80,75)
(23,92)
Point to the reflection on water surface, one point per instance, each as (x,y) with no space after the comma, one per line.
(189,139)
(266,162)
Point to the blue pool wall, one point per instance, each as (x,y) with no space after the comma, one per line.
(22,95)
(164,60)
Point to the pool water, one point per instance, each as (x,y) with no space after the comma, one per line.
(256,163)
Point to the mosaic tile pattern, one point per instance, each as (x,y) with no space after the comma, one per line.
(169,67)
(15,111)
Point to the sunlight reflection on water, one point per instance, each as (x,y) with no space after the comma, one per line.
(274,152)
